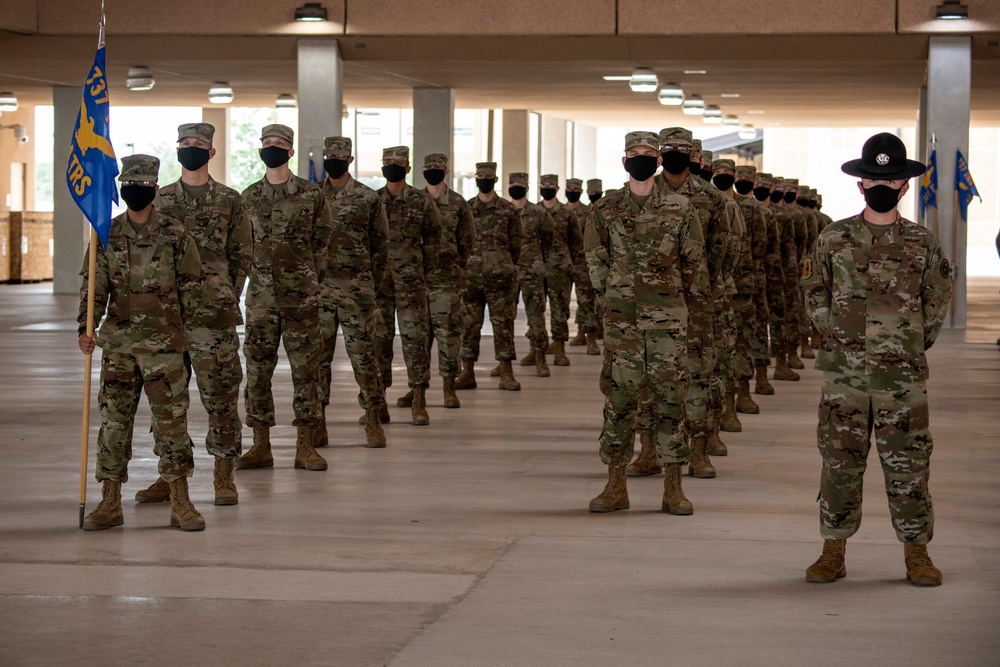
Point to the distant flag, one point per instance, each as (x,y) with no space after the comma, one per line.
(312,170)
(92,165)
(929,184)
(965,187)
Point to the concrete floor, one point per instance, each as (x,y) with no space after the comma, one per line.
(468,542)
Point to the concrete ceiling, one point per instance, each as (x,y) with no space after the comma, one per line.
(834,80)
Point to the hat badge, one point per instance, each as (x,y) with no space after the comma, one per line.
(882,159)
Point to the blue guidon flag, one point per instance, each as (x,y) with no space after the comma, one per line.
(965,187)
(929,185)
(92,166)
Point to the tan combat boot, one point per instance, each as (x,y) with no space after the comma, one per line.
(183,515)
(406,400)
(450,397)
(579,339)
(157,492)
(374,435)
(807,352)
(467,378)
(306,455)
(794,361)
(528,360)
(920,571)
(700,465)
(730,421)
(781,369)
(541,366)
(615,493)
(495,371)
(108,512)
(763,386)
(714,445)
(383,415)
(418,411)
(745,402)
(674,500)
(592,348)
(225,483)
(550,347)
(645,464)
(560,359)
(830,565)
(507,381)
(259,455)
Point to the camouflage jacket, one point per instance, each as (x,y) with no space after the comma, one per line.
(786,232)
(567,240)
(581,211)
(800,227)
(499,239)
(414,228)
(738,263)
(756,223)
(147,281)
(216,221)
(773,269)
(648,265)
(455,241)
(536,246)
(291,239)
(359,245)
(878,304)
(812,227)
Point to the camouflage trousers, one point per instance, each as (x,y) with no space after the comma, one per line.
(744,328)
(444,305)
(300,332)
(654,361)
(358,324)
(586,303)
(851,410)
(501,299)
(793,306)
(164,379)
(214,355)
(757,327)
(776,313)
(558,287)
(533,295)
(409,307)
(724,340)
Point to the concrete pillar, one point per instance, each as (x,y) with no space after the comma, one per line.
(515,146)
(433,129)
(553,148)
(218,167)
(949,77)
(321,98)
(70,229)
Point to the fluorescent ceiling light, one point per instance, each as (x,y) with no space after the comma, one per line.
(140,78)
(616,78)
(693,105)
(952,10)
(285,101)
(755,113)
(220,93)
(643,80)
(671,95)
(311,11)
(695,71)
(8,101)
(712,115)
(747,132)
(731,121)
(729,95)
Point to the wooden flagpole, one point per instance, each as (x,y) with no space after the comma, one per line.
(88,360)
(954,250)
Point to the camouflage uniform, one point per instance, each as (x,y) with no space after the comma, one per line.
(536,246)
(774,271)
(879,305)
(414,227)
(291,237)
(755,323)
(355,266)
(147,279)
(788,224)
(586,303)
(492,273)
(567,251)
(214,218)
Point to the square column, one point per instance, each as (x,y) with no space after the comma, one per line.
(321,99)
(433,129)
(70,229)
(516,147)
(218,167)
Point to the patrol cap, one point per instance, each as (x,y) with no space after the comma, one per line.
(764,178)
(637,139)
(813,193)
(724,163)
(803,190)
(278,130)
(791,183)
(396,153)
(778,183)
(595,185)
(517,177)
(486,170)
(574,185)
(744,172)
(550,180)
(695,148)
(337,148)
(139,168)
(706,157)
(436,161)
(675,136)
(203,131)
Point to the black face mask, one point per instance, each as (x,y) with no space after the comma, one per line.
(880,198)
(434,176)
(485,185)
(776,196)
(744,187)
(517,191)
(192,158)
(675,162)
(594,196)
(706,174)
(760,194)
(802,201)
(812,204)
(335,168)
(394,173)
(789,197)
(573,197)
(137,197)
(547,193)
(641,167)
(695,168)
(274,156)
(723,181)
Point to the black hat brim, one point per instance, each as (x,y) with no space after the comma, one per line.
(893,173)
